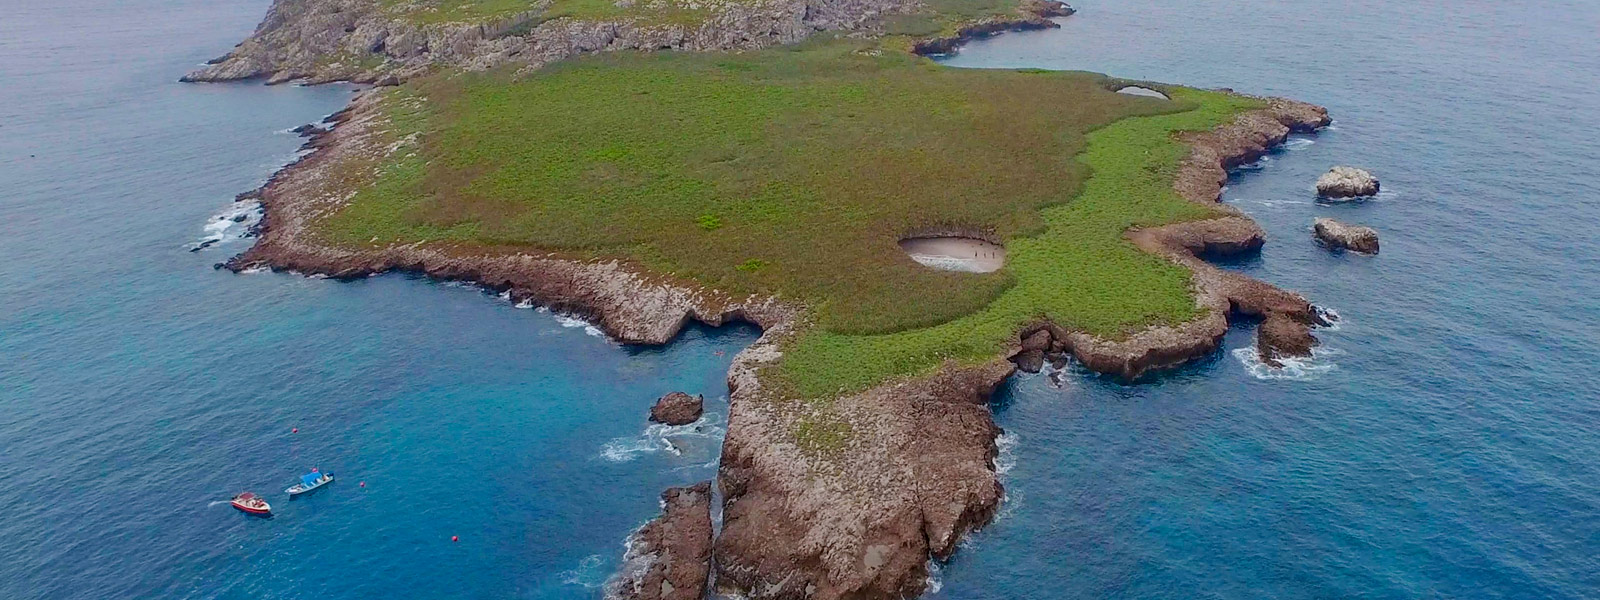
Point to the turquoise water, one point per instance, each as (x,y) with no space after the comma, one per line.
(1442,447)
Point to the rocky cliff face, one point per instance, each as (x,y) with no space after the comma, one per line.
(858,515)
(670,557)
(360,40)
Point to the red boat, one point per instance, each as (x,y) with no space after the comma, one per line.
(252,504)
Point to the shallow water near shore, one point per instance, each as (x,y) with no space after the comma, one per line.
(1440,446)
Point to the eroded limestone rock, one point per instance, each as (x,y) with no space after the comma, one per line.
(1346,182)
(1356,238)
(677,408)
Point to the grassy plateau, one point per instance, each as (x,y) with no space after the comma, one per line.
(795,171)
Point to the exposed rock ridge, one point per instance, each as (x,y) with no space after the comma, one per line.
(861,520)
(358,40)
(1032,15)
(670,557)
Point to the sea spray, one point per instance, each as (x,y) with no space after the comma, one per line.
(708,431)
(1292,369)
(590,573)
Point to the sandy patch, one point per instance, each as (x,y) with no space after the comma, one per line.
(956,254)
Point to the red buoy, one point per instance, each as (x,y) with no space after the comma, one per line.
(295,430)
(363,484)
(455,538)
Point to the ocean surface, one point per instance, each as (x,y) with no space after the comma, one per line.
(1441,445)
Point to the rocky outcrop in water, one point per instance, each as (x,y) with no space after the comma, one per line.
(363,41)
(1031,15)
(670,557)
(677,408)
(1346,182)
(1356,238)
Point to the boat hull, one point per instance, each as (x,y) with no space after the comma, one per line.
(265,509)
(298,489)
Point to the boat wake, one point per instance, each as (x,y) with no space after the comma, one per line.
(215,503)
(702,437)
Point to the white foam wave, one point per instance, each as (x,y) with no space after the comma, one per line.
(235,222)
(935,583)
(1272,203)
(1298,143)
(588,573)
(1256,165)
(672,439)
(1335,321)
(1293,369)
(1006,460)
(574,322)
(947,263)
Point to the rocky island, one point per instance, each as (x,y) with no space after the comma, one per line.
(768,173)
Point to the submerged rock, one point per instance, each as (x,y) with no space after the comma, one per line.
(1346,182)
(670,557)
(677,408)
(1356,238)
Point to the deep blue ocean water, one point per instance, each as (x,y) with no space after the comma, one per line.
(140,388)
(1445,444)
(1442,447)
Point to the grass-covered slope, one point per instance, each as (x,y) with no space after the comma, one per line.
(795,172)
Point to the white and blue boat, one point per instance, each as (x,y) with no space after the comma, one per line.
(310,481)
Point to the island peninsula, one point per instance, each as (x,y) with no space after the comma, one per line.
(766,170)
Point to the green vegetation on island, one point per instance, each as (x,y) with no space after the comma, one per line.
(795,171)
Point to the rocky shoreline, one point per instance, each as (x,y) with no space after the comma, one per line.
(1032,15)
(669,558)
(852,516)
(319,41)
